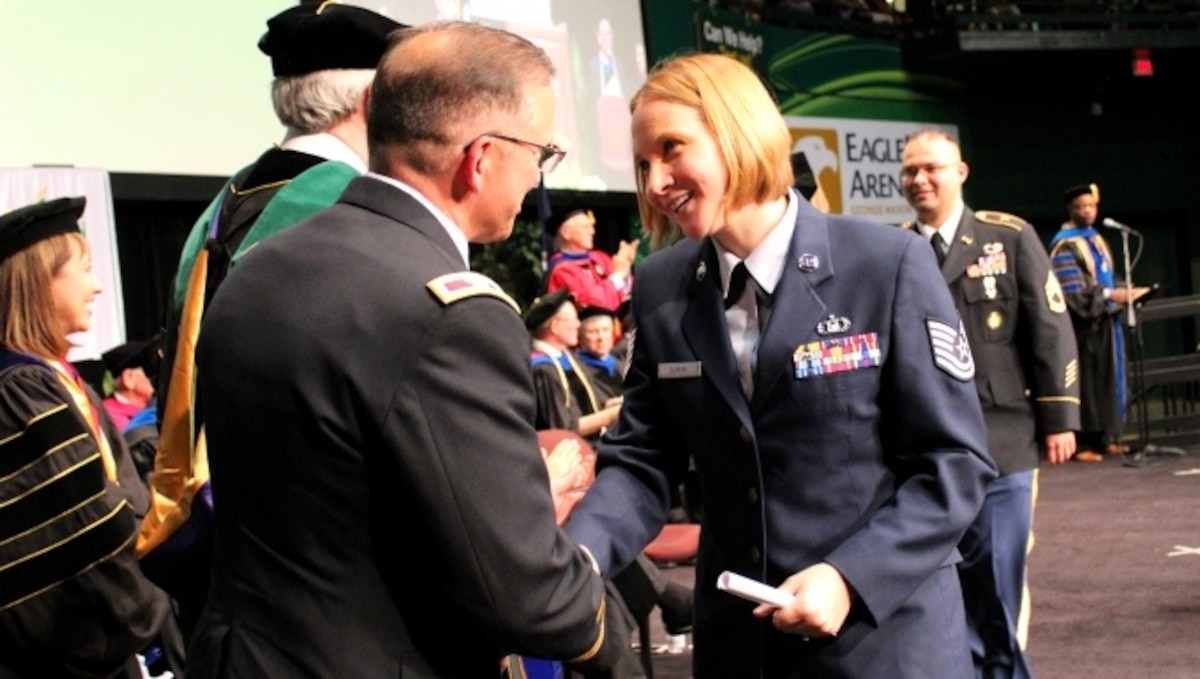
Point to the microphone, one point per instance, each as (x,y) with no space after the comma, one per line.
(1114,224)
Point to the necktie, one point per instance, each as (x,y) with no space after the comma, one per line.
(737,285)
(939,247)
(745,329)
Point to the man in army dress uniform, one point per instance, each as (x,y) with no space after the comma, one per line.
(374,463)
(1026,376)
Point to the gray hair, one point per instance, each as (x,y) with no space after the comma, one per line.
(314,102)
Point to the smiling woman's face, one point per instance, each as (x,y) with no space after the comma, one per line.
(684,172)
(74,289)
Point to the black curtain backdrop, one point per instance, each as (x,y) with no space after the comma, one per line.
(150,236)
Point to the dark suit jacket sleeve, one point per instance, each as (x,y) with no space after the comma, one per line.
(641,460)
(1046,339)
(934,439)
(486,487)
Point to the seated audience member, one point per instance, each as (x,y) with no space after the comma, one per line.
(132,366)
(142,435)
(566,397)
(141,430)
(597,337)
(591,275)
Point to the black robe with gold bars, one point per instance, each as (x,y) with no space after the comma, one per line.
(73,600)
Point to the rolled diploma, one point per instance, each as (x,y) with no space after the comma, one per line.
(753,590)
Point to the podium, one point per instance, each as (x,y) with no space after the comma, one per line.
(1175,418)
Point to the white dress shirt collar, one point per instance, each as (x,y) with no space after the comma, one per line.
(948,228)
(766,262)
(327,146)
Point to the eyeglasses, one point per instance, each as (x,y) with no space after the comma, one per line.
(911,171)
(549,156)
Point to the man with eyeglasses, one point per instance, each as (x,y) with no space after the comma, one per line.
(1026,375)
(374,461)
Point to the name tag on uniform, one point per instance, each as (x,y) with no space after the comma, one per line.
(678,371)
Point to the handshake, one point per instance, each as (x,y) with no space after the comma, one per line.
(571,463)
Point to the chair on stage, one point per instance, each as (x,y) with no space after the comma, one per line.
(676,544)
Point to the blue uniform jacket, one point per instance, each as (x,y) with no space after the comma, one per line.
(875,464)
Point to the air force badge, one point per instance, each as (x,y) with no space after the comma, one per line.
(833,325)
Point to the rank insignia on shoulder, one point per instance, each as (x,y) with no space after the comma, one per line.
(1001,219)
(452,287)
(1054,295)
(951,350)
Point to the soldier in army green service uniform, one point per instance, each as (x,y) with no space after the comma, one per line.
(1026,376)
(374,461)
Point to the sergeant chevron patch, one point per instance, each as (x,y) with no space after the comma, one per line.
(951,350)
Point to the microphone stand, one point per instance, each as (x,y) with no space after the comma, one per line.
(1145,450)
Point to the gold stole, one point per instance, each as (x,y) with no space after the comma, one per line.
(70,379)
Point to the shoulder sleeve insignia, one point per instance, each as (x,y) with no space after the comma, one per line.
(1001,219)
(1054,294)
(459,285)
(951,350)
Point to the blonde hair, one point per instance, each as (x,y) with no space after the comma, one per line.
(744,120)
(29,321)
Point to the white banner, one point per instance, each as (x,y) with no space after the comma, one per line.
(21,186)
(857,163)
